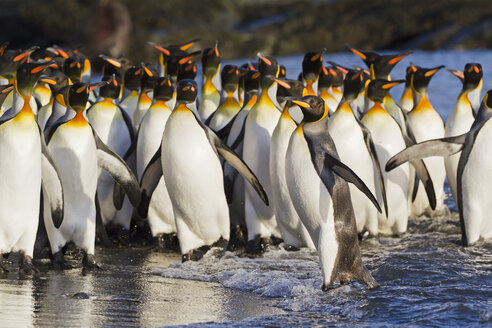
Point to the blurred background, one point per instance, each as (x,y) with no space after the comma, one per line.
(244,27)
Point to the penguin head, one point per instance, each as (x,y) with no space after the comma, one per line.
(352,85)
(133,77)
(282,71)
(112,89)
(268,67)
(379,88)
(211,61)
(164,89)
(330,77)
(73,67)
(487,99)
(117,66)
(379,66)
(313,107)
(252,82)
(472,75)
(167,52)
(47,54)
(28,74)
(175,61)
(288,88)
(421,77)
(186,91)
(149,79)
(56,80)
(10,59)
(78,94)
(312,65)
(187,71)
(229,77)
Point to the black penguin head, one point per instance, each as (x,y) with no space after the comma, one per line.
(422,76)
(56,80)
(187,71)
(252,82)
(10,60)
(168,54)
(229,77)
(472,75)
(73,68)
(282,72)
(78,94)
(117,66)
(133,77)
(175,61)
(268,67)
(186,91)
(288,88)
(313,107)
(112,89)
(164,89)
(311,65)
(352,85)
(28,74)
(149,79)
(379,88)
(380,66)
(211,61)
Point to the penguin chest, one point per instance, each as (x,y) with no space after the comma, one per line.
(209,101)
(385,133)
(460,120)
(129,104)
(426,124)
(309,195)
(224,114)
(74,151)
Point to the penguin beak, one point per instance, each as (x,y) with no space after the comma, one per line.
(397,59)
(7,89)
(458,74)
(264,59)
(299,103)
(358,53)
(160,48)
(146,70)
(41,67)
(188,45)
(110,60)
(392,84)
(94,86)
(283,83)
(25,54)
(433,71)
(48,80)
(341,68)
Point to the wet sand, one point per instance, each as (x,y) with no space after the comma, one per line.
(124,293)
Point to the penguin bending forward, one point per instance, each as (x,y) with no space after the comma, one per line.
(473,182)
(317,183)
(193,174)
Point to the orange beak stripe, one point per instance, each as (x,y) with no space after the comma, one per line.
(266,60)
(8,89)
(358,53)
(62,53)
(147,71)
(390,85)
(187,46)
(282,83)
(20,56)
(38,69)
(302,104)
(396,59)
(163,50)
(476,69)
(49,81)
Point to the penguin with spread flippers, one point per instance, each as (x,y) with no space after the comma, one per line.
(473,186)
(356,148)
(189,161)
(210,97)
(317,182)
(78,153)
(26,168)
(259,126)
(461,118)
(291,228)
(160,215)
(425,123)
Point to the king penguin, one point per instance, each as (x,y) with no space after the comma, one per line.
(160,215)
(317,182)
(426,123)
(149,81)
(259,126)
(26,167)
(461,118)
(356,148)
(291,228)
(311,67)
(78,152)
(188,160)
(406,100)
(473,186)
(210,98)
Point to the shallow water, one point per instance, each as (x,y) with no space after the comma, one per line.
(426,277)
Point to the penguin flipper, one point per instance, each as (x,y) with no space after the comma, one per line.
(326,162)
(118,196)
(118,169)
(148,183)
(133,137)
(372,151)
(435,147)
(51,184)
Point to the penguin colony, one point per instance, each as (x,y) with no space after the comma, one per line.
(251,159)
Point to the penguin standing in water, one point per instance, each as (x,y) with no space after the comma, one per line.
(189,162)
(356,148)
(210,99)
(291,228)
(473,186)
(259,126)
(25,167)
(317,182)
(160,215)
(114,128)
(79,153)
(425,123)
(461,118)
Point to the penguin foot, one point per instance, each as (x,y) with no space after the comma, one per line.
(290,248)
(275,241)
(3,268)
(59,262)
(195,254)
(257,246)
(237,238)
(165,242)
(25,265)
(89,262)
(363,235)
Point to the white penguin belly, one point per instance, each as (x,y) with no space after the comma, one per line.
(74,153)
(194,178)
(291,228)
(476,181)
(20,184)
